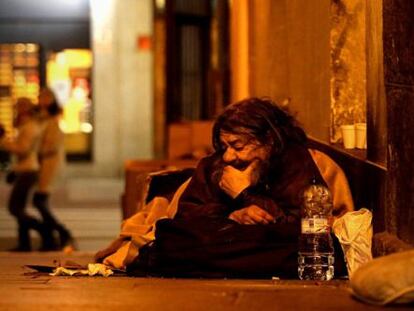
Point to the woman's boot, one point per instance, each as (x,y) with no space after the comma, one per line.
(23,240)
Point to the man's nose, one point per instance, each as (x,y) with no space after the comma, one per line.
(229,155)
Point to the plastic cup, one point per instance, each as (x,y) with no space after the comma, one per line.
(348,136)
(361,135)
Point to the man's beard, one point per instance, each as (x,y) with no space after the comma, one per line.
(258,174)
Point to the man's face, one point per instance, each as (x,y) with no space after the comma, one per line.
(241,150)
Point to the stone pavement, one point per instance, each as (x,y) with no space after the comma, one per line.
(23,290)
(94,216)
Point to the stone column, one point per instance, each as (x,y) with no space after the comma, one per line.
(122,87)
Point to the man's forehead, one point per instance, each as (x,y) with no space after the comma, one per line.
(233,137)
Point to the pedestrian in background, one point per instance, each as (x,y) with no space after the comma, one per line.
(24,148)
(51,157)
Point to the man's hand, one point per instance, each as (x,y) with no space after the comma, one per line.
(234,181)
(251,215)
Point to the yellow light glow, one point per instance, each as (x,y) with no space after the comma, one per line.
(73,93)
(56,71)
(78,58)
(160,4)
(86,128)
(61,59)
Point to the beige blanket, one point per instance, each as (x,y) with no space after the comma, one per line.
(138,230)
(337,183)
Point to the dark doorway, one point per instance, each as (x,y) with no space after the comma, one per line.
(197,61)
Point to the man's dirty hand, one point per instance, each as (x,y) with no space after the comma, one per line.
(234,181)
(252,215)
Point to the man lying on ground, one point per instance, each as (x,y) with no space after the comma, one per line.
(239,216)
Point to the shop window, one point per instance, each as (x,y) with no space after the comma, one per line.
(69,76)
(19,77)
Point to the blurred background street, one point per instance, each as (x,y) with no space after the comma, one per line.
(90,208)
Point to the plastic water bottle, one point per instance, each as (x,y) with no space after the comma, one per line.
(316,252)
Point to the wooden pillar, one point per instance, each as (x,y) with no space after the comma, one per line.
(288,58)
(239,49)
(376,112)
(376,102)
(160,86)
(398,44)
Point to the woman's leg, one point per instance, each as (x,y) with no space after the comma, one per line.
(41,202)
(17,205)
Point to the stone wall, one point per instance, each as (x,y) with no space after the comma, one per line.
(312,59)
(289,58)
(348,64)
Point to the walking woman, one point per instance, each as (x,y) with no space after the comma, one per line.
(24,148)
(51,157)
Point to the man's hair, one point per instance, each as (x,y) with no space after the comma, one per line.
(261,119)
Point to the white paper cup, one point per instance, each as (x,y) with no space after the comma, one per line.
(348,136)
(361,135)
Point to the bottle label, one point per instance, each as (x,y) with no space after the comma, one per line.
(315,225)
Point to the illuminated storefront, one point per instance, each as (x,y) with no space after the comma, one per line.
(19,77)
(69,76)
(47,43)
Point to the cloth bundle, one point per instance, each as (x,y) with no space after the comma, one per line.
(138,230)
(354,232)
(386,279)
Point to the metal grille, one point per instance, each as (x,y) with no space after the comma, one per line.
(195,7)
(191,72)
